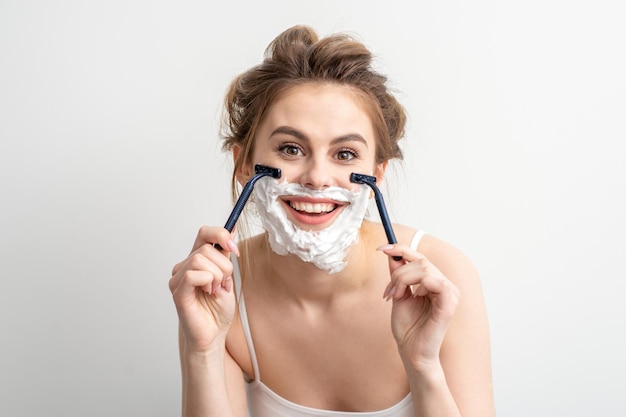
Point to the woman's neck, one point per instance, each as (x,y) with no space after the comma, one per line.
(289,276)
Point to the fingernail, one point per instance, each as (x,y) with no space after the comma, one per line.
(384,247)
(228,285)
(233,247)
(391,292)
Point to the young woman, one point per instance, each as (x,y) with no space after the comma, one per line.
(315,317)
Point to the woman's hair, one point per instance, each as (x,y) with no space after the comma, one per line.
(295,57)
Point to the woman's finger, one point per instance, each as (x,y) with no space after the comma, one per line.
(419,274)
(408,255)
(178,266)
(215,235)
(191,280)
(217,257)
(406,277)
(430,285)
(209,259)
(403,277)
(411,261)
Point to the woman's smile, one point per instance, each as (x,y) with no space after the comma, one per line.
(312,211)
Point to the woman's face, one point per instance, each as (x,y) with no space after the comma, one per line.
(317,135)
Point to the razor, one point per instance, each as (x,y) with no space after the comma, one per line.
(370,181)
(260,172)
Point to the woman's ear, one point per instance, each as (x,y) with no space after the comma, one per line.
(379,171)
(243,170)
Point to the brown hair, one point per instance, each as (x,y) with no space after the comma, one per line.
(297,57)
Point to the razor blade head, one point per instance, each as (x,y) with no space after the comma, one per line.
(362,178)
(265,170)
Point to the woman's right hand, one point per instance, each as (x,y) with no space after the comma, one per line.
(202,288)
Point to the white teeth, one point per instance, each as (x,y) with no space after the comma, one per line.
(312,207)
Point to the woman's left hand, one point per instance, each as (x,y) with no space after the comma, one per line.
(424,302)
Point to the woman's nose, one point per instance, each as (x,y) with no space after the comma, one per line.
(317,174)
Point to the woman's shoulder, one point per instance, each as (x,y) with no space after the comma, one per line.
(451,260)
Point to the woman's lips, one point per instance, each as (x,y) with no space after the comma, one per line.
(312,211)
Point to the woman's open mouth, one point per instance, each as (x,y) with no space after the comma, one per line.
(312,211)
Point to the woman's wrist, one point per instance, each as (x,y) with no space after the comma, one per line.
(429,388)
(423,369)
(216,351)
(426,375)
(419,362)
(205,390)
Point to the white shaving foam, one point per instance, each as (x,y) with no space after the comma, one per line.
(326,248)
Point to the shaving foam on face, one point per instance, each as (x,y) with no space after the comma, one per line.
(326,248)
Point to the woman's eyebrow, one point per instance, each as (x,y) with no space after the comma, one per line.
(286,130)
(350,137)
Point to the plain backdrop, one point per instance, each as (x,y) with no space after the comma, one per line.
(110,162)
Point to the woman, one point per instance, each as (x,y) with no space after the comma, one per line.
(315,316)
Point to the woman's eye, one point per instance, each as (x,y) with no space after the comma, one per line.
(346,155)
(291,150)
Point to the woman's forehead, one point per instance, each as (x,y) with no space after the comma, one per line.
(320,109)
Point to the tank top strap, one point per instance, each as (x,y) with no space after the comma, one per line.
(243,315)
(417,237)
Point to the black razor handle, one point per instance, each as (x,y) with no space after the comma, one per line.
(380,203)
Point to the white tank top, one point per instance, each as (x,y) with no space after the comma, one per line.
(263,402)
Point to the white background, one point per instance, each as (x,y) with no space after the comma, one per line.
(109,163)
